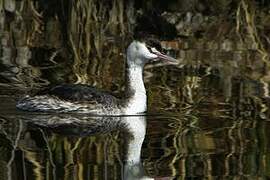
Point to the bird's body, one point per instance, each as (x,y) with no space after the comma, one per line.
(86,99)
(72,98)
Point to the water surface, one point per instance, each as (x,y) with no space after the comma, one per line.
(199,125)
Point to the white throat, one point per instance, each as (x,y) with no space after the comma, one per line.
(137,94)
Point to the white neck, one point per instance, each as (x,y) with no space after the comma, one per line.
(135,90)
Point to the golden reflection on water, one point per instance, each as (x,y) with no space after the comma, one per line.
(231,143)
(214,125)
(211,108)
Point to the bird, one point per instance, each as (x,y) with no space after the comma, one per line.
(81,98)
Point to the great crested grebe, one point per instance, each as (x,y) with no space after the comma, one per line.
(80,98)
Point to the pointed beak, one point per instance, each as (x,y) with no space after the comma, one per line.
(163,56)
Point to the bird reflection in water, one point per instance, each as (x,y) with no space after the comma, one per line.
(133,128)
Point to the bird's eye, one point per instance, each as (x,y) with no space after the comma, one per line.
(149,48)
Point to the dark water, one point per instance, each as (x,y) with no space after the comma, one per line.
(208,114)
(65,146)
(203,123)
